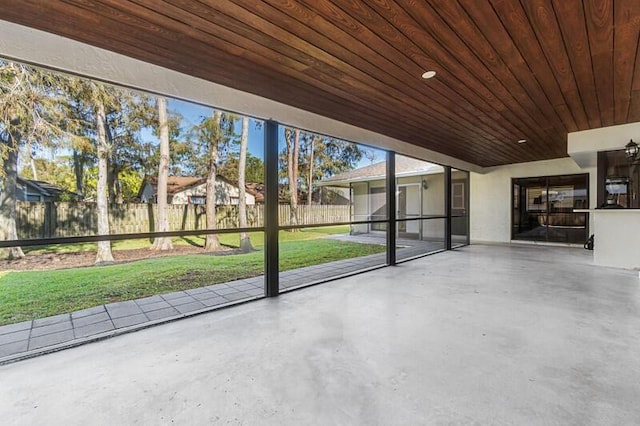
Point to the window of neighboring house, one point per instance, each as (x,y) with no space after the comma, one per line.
(197,199)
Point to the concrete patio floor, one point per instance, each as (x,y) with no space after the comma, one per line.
(481,335)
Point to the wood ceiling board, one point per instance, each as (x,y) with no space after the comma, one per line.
(571,19)
(436,101)
(485,52)
(461,87)
(515,20)
(490,25)
(505,67)
(542,19)
(599,19)
(504,105)
(627,31)
(463,110)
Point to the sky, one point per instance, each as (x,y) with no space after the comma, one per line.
(192,114)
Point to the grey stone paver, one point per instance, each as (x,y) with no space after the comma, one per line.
(40,333)
(162,313)
(225,291)
(190,307)
(195,291)
(11,328)
(218,300)
(90,319)
(162,304)
(236,296)
(94,328)
(51,320)
(174,295)
(130,320)
(53,328)
(181,300)
(149,300)
(255,292)
(50,339)
(123,309)
(16,336)
(88,312)
(243,287)
(14,348)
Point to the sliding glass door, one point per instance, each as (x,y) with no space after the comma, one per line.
(543,208)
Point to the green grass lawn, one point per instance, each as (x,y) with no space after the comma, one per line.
(28,295)
(231,240)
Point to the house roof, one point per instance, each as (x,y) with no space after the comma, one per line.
(405,166)
(177,184)
(45,188)
(506,69)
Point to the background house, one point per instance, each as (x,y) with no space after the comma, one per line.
(193,190)
(39,191)
(419,193)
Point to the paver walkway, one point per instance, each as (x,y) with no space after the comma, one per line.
(27,338)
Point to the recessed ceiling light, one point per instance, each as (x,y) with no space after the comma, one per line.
(522,141)
(429,74)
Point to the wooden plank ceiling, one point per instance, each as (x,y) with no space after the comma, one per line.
(506,69)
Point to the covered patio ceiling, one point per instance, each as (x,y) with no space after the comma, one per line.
(506,70)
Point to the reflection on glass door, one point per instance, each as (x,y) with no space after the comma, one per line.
(543,209)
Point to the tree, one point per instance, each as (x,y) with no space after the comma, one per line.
(292,139)
(245,241)
(254,170)
(310,171)
(162,224)
(212,132)
(100,95)
(327,156)
(58,172)
(215,135)
(30,114)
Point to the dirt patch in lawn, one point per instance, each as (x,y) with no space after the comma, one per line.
(50,261)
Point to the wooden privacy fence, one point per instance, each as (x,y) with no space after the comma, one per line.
(69,219)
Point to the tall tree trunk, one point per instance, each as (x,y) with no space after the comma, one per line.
(115,194)
(310,178)
(245,241)
(212,242)
(78,170)
(104,247)
(292,171)
(8,229)
(162,224)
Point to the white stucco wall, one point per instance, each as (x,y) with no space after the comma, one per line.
(225,194)
(491,195)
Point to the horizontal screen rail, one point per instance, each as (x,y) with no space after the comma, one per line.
(120,237)
(327,224)
(409,219)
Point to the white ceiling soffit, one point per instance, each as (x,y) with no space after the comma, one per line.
(583,146)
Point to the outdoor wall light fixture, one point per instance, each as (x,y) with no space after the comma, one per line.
(631,150)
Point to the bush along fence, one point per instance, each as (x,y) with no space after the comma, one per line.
(69,219)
